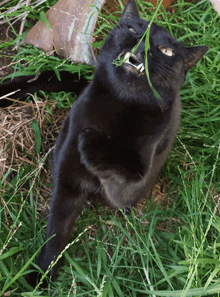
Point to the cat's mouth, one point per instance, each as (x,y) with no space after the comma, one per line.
(133,60)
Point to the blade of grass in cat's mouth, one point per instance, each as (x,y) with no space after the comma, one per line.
(133,60)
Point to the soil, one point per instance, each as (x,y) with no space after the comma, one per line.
(6,56)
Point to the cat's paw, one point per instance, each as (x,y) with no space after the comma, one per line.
(33,279)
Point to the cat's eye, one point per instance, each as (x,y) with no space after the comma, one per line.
(166,51)
(132,30)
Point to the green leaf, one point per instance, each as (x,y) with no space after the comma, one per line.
(43,18)
(57,73)
(36,129)
(11,252)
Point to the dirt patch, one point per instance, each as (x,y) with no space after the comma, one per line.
(7,55)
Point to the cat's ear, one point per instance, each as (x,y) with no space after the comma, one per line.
(194,54)
(130,11)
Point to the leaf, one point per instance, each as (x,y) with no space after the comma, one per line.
(36,129)
(11,252)
(99,43)
(43,18)
(57,73)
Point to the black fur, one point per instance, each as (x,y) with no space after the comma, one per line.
(116,137)
(46,81)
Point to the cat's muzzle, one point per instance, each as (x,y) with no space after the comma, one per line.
(132,60)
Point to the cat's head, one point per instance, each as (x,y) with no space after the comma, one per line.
(168,59)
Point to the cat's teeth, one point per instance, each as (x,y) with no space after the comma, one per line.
(139,66)
(142,69)
(127,55)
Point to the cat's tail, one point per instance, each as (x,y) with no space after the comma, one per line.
(47,81)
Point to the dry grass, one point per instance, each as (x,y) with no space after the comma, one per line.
(17,138)
(17,144)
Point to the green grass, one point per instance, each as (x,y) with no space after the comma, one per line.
(167,251)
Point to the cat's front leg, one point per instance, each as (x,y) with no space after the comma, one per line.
(104,155)
(94,149)
(66,205)
(116,164)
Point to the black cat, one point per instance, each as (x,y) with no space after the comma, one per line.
(117,137)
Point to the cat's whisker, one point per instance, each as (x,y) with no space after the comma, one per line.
(164,66)
(168,68)
(162,72)
(164,78)
(165,82)
(166,75)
